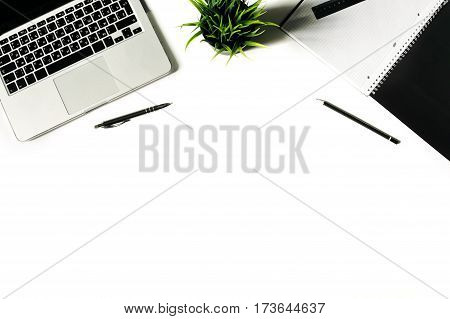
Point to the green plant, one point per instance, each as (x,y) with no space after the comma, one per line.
(229,26)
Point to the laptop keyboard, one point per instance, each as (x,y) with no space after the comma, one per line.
(89,27)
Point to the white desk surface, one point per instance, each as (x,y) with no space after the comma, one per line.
(227,238)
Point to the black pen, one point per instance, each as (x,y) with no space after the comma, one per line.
(126,118)
(361,122)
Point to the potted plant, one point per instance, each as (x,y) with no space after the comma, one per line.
(229,26)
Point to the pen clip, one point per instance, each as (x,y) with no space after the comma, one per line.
(115,125)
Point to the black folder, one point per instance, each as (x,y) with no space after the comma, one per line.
(417,90)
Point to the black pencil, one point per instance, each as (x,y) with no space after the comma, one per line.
(360,122)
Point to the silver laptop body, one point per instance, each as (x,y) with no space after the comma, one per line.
(74,59)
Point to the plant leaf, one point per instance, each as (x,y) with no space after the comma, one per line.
(254,44)
(193,38)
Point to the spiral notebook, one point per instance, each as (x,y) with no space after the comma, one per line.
(396,51)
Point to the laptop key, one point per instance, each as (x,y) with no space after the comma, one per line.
(102,33)
(14,55)
(69,28)
(19,73)
(30,79)
(7,48)
(33,35)
(60,22)
(126,22)
(21,83)
(137,30)
(83,42)
(32,46)
(38,64)
(87,20)
(60,33)
(118,39)
(29,58)
(128,9)
(50,19)
(106,2)
(12,88)
(41,74)
(9,78)
(96,15)
(88,9)
(93,27)
(112,18)
(51,37)
(111,29)
(74,47)
(79,14)
(69,60)
(24,50)
(8,68)
(20,62)
(23,32)
(5,59)
(93,38)
(4,41)
(127,33)
(52,27)
(65,51)
(121,14)
(56,55)
(106,11)
(115,7)
(78,24)
(13,37)
(66,40)
(47,60)
(39,54)
(41,42)
(42,31)
(75,36)
(15,44)
(79,5)
(48,49)
(24,40)
(98,46)
(57,45)
(108,41)
(97,5)
(102,23)
(70,18)
(84,32)
(28,68)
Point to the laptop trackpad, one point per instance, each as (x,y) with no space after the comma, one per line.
(86,86)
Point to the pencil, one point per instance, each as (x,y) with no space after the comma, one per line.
(360,122)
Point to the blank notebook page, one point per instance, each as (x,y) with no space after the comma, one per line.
(366,31)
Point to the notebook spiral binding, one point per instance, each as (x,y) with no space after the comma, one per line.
(403,52)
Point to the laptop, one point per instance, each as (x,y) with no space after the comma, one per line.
(61,59)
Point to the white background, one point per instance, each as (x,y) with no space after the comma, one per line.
(227,238)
